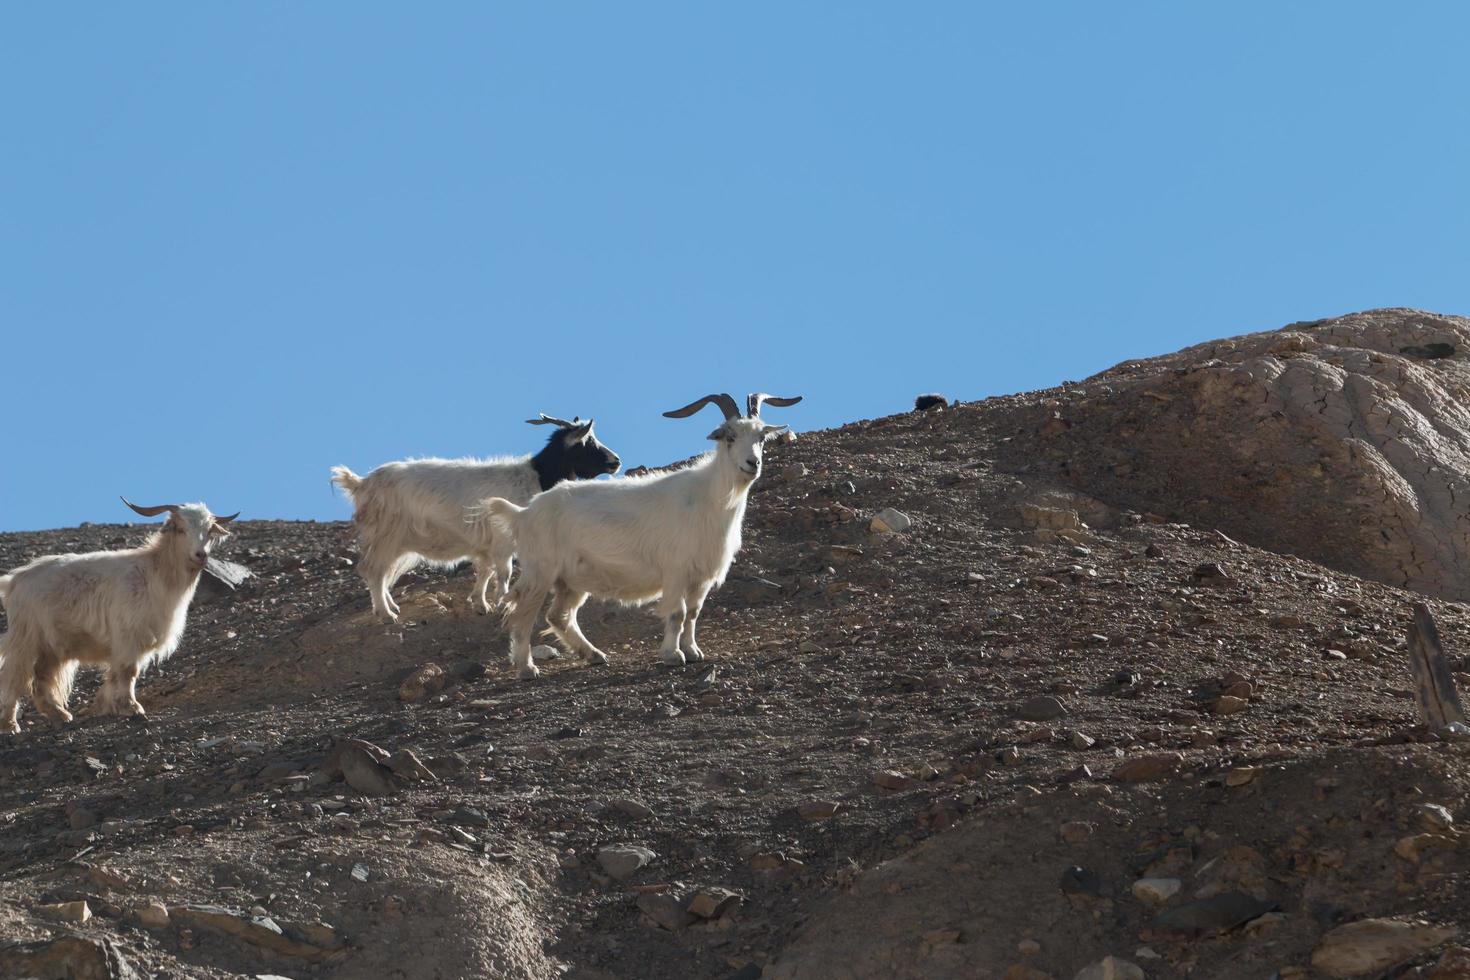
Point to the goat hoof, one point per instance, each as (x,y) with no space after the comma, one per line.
(693,655)
(673,658)
(528,672)
(596,657)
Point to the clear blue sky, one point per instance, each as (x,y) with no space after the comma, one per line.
(242,242)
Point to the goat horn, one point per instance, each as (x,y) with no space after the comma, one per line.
(754,401)
(149,511)
(226,520)
(726,403)
(551,420)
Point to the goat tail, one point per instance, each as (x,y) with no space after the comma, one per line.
(346,481)
(501,515)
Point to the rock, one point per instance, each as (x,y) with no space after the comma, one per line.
(1371,439)
(1264,924)
(428,679)
(891,779)
(1411,848)
(453,764)
(1225,704)
(541,653)
(1454,964)
(278,770)
(622,861)
(630,807)
(152,915)
(66,911)
(794,472)
(1145,767)
(260,930)
(360,873)
(1428,351)
(406,763)
(1009,756)
(1211,570)
(364,773)
(470,816)
(1374,945)
(81,818)
(818,810)
(1433,816)
(332,764)
(1080,740)
(666,910)
(1156,891)
(469,671)
(1110,968)
(1025,971)
(1211,916)
(713,902)
(1081,881)
(65,958)
(1077,831)
(107,878)
(890,521)
(1042,708)
(1242,775)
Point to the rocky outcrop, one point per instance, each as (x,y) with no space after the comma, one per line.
(1346,441)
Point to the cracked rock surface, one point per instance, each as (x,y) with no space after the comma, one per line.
(1346,441)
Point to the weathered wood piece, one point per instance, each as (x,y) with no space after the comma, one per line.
(1434,686)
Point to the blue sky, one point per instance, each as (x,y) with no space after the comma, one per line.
(242,242)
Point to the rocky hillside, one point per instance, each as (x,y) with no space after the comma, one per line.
(1346,441)
(1091,714)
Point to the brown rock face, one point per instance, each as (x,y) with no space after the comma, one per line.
(1346,441)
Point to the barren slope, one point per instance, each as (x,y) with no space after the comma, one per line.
(868,767)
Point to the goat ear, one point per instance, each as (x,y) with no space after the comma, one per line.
(579,433)
(717,435)
(772,431)
(219,530)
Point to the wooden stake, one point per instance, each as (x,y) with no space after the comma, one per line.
(1434,687)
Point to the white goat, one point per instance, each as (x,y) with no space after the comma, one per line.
(121,610)
(671,535)
(417,509)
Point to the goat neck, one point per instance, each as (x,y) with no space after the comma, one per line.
(168,557)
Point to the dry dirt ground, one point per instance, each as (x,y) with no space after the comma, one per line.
(950,751)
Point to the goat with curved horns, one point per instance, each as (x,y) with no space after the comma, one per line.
(669,536)
(423,509)
(121,610)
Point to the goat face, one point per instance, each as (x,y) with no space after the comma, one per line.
(198,531)
(586,458)
(741,444)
